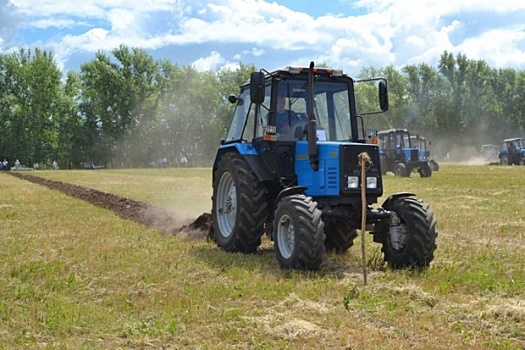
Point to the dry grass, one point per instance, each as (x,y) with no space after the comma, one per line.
(75,276)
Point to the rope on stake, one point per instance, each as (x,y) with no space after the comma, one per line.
(364,162)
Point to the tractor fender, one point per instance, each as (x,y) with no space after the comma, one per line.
(249,154)
(289,191)
(387,204)
(258,167)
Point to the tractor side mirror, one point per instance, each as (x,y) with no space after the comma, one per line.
(232,98)
(257,87)
(383,95)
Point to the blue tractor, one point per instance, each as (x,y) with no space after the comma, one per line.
(420,143)
(301,183)
(398,156)
(512,152)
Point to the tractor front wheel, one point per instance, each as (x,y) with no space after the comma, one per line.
(400,170)
(425,170)
(299,233)
(411,241)
(239,206)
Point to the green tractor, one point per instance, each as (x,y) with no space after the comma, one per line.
(289,167)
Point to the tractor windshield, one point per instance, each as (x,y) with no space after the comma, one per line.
(419,143)
(402,140)
(331,108)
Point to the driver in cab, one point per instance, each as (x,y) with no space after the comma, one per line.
(284,118)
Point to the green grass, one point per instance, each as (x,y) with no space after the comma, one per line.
(75,276)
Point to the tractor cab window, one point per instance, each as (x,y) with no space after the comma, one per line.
(422,145)
(243,125)
(331,108)
(402,140)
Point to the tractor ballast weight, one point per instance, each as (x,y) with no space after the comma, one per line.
(299,181)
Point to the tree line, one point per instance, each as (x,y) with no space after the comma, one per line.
(126,109)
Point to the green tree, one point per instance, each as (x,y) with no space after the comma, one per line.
(31,88)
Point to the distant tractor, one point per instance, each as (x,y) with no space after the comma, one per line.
(512,152)
(398,156)
(291,167)
(420,143)
(490,152)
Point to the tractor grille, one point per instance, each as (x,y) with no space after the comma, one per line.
(332,178)
(414,155)
(350,166)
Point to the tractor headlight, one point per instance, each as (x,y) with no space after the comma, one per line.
(353,182)
(371,182)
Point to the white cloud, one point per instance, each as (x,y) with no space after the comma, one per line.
(9,20)
(500,45)
(210,63)
(371,32)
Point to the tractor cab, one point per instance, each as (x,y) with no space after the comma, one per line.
(512,151)
(420,143)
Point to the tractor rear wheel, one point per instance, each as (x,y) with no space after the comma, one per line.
(339,236)
(504,160)
(239,206)
(299,233)
(434,165)
(411,243)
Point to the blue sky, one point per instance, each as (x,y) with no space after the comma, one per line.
(214,34)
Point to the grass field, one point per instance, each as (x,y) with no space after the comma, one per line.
(76,276)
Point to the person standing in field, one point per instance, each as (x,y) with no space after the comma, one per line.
(184,161)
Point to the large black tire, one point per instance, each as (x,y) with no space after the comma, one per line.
(400,170)
(425,170)
(434,165)
(239,206)
(299,233)
(504,160)
(339,236)
(417,232)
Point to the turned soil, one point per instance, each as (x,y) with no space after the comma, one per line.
(129,209)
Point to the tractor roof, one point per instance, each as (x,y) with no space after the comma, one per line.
(391,131)
(289,70)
